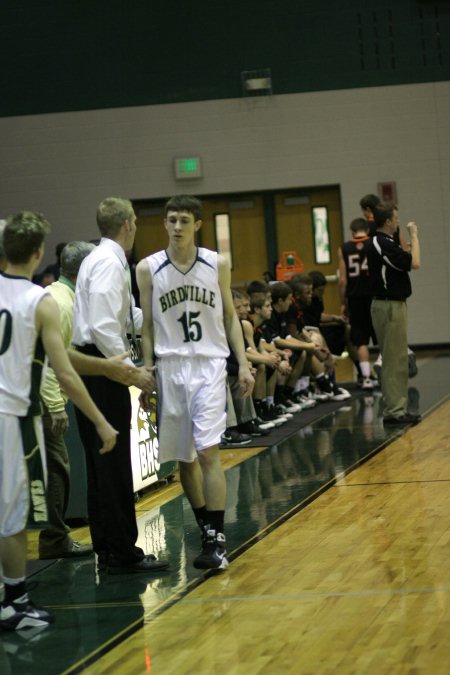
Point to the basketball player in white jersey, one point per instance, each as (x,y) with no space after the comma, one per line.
(29,330)
(189,319)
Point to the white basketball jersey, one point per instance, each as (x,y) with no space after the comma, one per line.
(22,355)
(187,307)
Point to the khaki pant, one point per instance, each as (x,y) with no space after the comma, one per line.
(390,321)
(55,538)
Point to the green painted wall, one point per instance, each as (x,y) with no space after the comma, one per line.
(60,55)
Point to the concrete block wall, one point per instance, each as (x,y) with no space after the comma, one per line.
(64,164)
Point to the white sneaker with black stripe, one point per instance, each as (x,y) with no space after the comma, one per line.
(18,615)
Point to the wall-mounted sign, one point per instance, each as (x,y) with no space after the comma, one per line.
(188,167)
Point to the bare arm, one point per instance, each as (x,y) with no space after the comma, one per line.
(414,245)
(145,283)
(116,368)
(233,329)
(402,240)
(253,355)
(47,325)
(342,283)
(296,345)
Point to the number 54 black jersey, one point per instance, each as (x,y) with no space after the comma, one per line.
(355,256)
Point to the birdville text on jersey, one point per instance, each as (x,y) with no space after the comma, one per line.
(182,293)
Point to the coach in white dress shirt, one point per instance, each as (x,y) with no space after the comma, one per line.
(104,313)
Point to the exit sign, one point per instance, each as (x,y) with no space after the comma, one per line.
(188,167)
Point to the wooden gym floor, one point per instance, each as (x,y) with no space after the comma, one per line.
(339,538)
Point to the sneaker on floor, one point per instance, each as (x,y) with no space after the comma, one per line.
(263,411)
(233,437)
(281,416)
(268,413)
(282,411)
(251,428)
(288,406)
(305,399)
(266,426)
(324,386)
(340,394)
(20,615)
(213,555)
(367,384)
(320,397)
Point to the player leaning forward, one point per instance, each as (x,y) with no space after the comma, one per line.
(189,319)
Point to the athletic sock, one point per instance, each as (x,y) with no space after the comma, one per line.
(15,590)
(201,516)
(288,391)
(365,368)
(216,520)
(302,383)
(279,392)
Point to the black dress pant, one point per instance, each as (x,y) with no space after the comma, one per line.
(110,495)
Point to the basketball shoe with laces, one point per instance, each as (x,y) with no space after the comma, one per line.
(22,613)
(213,555)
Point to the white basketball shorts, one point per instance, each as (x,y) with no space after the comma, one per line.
(191,405)
(22,474)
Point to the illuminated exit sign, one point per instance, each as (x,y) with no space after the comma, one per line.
(188,167)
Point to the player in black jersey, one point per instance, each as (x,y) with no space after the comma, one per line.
(356,294)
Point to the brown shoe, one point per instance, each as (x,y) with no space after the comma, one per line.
(73,550)
(406,418)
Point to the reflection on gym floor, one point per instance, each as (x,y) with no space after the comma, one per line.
(95,612)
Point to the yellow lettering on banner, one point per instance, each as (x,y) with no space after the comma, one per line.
(38,500)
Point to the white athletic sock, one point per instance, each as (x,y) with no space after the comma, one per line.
(303,382)
(365,368)
(13,582)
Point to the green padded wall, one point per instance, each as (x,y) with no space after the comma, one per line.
(78,55)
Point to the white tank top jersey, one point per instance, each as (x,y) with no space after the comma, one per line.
(187,307)
(22,356)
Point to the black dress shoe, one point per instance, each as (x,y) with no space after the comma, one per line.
(73,550)
(149,564)
(407,418)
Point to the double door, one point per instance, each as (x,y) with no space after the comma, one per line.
(261,226)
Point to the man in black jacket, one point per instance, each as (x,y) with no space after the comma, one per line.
(389,265)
